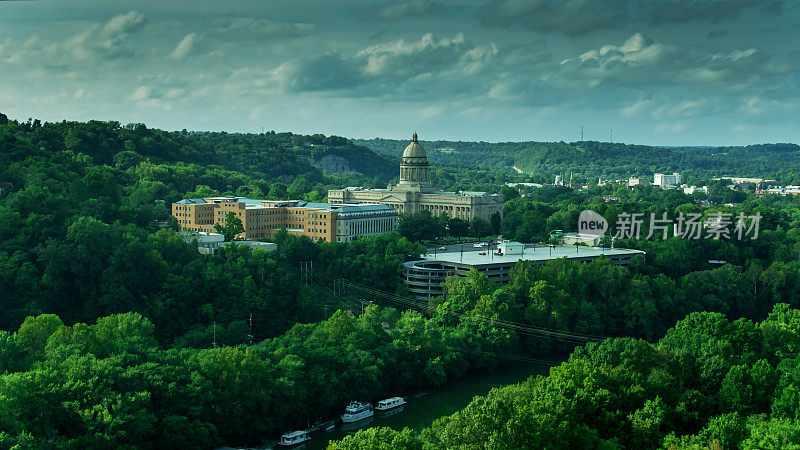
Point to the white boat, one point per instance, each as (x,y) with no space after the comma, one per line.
(389,413)
(390,403)
(293,438)
(356,411)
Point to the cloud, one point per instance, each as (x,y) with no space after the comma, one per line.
(251,28)
(94,44)
(685,11)
(580,17)
(571,17)
(395,10)
(390,67)
(185,46)
(125,23)
(326,72)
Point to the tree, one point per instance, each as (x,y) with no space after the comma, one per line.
(480,228)
(233,226)
(457,227)
(495,219)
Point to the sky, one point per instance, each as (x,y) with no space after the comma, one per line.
(656,72)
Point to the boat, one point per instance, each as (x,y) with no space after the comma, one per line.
(390,403)
(353,427)
(293,438)
(322,425)
(356,411)
(390,412)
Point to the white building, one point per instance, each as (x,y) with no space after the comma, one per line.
(667,180)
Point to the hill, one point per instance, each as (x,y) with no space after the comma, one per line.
(592,159)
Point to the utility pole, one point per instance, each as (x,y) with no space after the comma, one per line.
(250,336)
(306,271)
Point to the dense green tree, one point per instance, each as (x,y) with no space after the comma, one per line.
(231,228)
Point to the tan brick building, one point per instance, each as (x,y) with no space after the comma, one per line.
(263,218)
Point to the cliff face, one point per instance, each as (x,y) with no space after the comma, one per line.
(333,164)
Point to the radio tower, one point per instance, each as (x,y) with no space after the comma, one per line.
(581,133)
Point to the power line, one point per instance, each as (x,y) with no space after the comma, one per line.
(519,328)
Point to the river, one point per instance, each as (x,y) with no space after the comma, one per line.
(423,408)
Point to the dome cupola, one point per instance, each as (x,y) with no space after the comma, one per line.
(414,167)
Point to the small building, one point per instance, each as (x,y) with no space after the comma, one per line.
(637,182)
(590,240)
(207,243)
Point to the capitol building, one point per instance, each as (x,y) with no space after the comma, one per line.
(415,193)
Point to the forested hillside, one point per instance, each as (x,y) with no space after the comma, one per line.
(589,160)
(708,383)
(119,333)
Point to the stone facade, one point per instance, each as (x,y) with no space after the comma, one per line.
(415,193)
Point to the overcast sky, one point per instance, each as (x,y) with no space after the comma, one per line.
(661,72)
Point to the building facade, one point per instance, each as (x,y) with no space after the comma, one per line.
(666,180)
(261,219)
(415,193)
(424,278)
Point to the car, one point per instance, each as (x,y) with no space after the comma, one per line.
(481,253)
(477,245)
(443,248)
(484,244)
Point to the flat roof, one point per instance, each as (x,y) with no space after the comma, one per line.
(531,252)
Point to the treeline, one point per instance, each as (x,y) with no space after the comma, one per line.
(709,382)
(588,160)
(111,385)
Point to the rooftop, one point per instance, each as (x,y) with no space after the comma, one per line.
(531,252)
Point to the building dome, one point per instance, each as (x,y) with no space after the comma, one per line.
(414,149)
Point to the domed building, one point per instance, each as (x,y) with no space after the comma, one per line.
(415,192)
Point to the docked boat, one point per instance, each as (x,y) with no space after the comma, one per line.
(356,411)
(293,438)
(389,412)
(324,426)
(389,403)
(353,427)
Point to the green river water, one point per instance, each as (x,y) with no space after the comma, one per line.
(426,406)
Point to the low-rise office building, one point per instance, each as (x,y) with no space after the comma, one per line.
(261,219)
(424,277)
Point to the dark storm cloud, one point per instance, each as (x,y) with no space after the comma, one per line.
(395,10)
(429,67)
(579,17)
(683,11)
(569,16)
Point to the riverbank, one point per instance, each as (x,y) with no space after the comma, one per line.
(424,407)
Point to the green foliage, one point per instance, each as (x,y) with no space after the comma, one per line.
(232,227)
(627,393)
